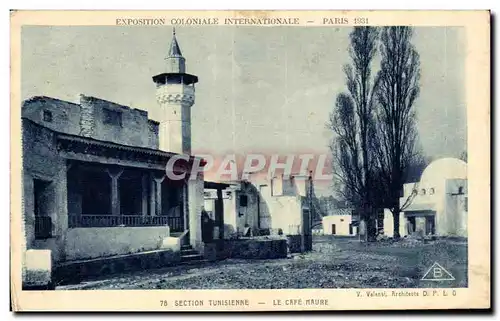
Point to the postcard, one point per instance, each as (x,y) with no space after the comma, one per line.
(250,160)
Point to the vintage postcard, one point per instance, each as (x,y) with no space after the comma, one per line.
(250,160)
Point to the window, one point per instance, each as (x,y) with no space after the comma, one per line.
(341,219)
(431,191)
(422,192)
(461,190)
(466,204)
(112,117)
(47,116)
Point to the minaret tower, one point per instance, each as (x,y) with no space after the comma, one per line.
(175,93)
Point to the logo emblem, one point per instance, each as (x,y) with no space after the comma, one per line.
(437,273)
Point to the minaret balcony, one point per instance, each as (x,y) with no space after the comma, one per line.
(176,93)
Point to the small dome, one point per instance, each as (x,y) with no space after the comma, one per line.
(442,169)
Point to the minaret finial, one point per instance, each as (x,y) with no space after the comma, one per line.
(175,50)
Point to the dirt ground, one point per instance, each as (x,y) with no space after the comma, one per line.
(333,263)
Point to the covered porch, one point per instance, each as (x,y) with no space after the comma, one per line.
(119,200)
(420,219)
(102,195)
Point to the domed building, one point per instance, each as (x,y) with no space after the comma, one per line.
(437,204)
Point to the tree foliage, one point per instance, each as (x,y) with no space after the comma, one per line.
(352,121)
(396,144)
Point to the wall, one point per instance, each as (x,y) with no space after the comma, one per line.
(277,186)
(236,217)
(86,243)
(256,248)
(341,224)
(286,212)
(230,212)
(87,119)
(455,208)
(65,115)
(153,136)
(41,161)
(134,129)
(250,213)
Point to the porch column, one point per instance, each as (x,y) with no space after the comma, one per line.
(195,203)
(115,174)
(219,213)
(144,195)
(157,181)
(152,194)
(185,206)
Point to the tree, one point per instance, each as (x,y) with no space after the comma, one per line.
(352,123)
(398,88)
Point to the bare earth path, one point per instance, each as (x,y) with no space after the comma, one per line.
(334,263)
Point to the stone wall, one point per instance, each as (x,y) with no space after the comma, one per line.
(153,131)
(64,116)
(87,243)
(294,243)
(90,118)
(128,126)
(76,272)
(41,162)
(256,248)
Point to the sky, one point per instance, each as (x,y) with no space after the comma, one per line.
(261,89)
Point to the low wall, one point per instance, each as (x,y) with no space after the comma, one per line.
(256,248)
(75,272)
(294,243)
(87,243)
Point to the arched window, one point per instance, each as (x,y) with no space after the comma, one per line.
(431,191)
(422,191)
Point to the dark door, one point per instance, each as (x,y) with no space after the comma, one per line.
(412,225)
(334,231)
(429,225)
(350,229)
(42,199)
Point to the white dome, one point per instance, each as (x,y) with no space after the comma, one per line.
(444,168)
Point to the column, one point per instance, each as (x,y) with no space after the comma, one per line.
(195,203)
(115,174)
(152,194)
(60,217)
(185,206)
(144,195)
(219,213)
(157,181)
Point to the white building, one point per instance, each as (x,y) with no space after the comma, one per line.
(340,222)
(437,204)
(278,206)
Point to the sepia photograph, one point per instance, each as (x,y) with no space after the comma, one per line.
(250,152)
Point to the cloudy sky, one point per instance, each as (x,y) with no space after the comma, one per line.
(261,89)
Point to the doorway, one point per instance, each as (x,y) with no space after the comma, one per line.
(430,225)
(334,230)
(43,200)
